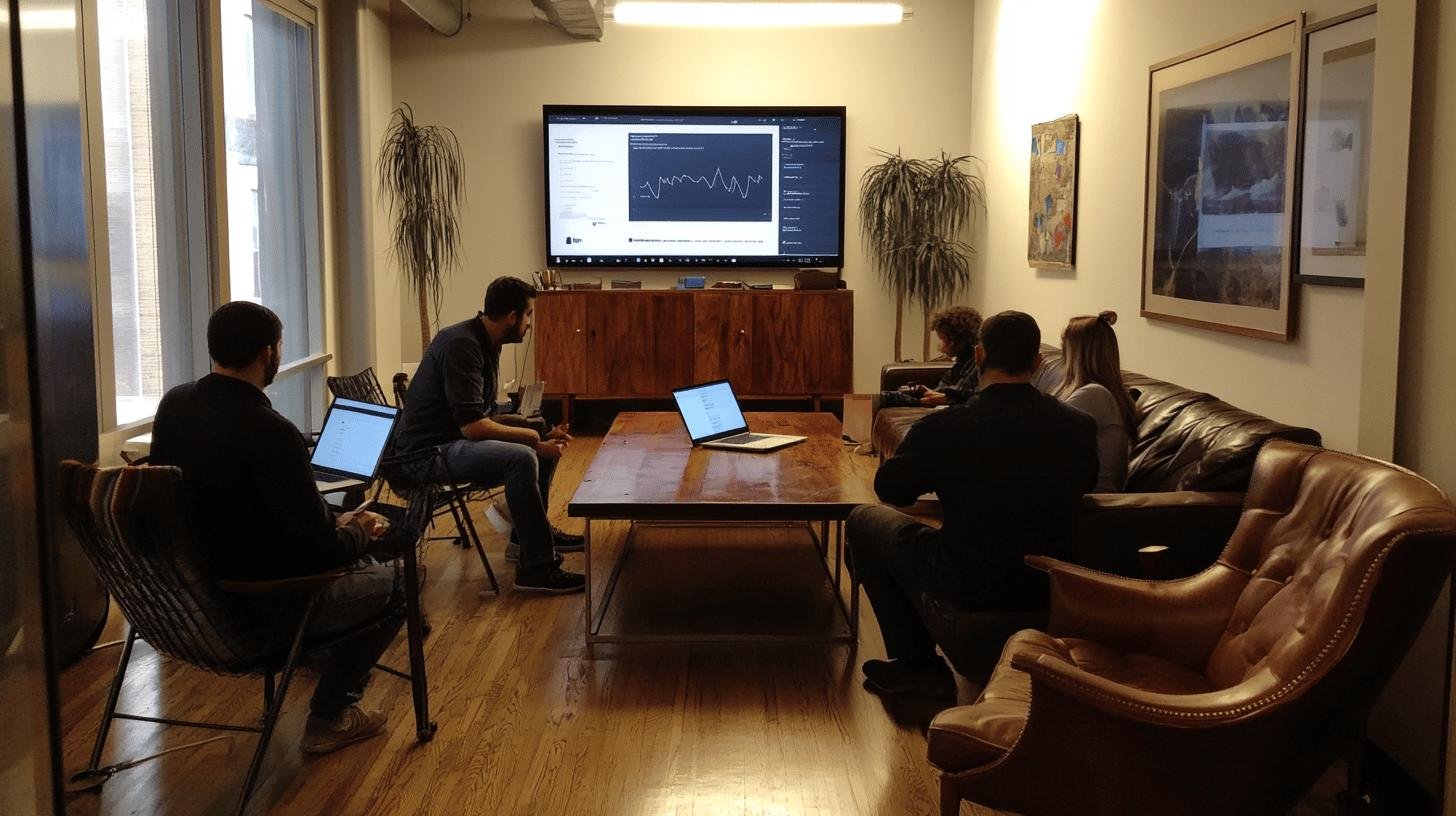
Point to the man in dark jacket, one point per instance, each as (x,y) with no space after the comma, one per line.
(251,495)
(451,405)
(1009,467)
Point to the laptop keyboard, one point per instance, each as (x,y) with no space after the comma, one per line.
(746,438)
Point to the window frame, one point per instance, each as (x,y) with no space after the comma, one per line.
(200,194)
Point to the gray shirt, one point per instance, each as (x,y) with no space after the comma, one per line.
(1112,435)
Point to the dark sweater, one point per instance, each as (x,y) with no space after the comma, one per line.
(248,485)
(1009,466)
(454,386)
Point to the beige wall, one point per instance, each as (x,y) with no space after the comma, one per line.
(905,87)
(1035,62)
(388,297)
(1427,391)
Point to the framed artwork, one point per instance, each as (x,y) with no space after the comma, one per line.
(1339,91)
(1218,223)
(1052,214)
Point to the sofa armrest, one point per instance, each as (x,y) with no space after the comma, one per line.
(1195,526)
(1179,620)
(894,375)
(1131,704)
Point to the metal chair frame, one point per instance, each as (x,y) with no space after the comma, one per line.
(276,669)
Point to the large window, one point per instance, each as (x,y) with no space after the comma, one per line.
(149,285)
(162,231)
(274,250)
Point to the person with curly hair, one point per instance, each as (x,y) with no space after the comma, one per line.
(957,328)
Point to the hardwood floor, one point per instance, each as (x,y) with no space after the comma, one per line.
(534,722)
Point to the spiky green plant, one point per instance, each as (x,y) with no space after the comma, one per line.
(422,174)
(911,214)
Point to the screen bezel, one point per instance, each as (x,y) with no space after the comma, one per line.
(721,434)
(726,261)
(365,405)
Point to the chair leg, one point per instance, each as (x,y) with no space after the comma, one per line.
(950,797)
(414,630)
(269,692)
(458,512)
(270,718)
(475,539)
(112,697)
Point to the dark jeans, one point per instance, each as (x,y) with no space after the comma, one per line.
(365,594)
(890,554)
(527,480)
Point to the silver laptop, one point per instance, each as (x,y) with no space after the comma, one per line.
(713,419)
(352,442)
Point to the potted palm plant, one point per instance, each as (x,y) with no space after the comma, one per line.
(912,212)
(421,173)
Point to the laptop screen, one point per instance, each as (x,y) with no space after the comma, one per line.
(710,411)
(354,437)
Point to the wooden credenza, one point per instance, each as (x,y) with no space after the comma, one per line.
(638,343)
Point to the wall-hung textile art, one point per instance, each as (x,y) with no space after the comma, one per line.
(1052,217)
(1339,59)
(1218,223)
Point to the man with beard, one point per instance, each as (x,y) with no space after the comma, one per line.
(451,406)
(252,500)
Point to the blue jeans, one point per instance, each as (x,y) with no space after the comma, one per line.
(366,593)
(527,480)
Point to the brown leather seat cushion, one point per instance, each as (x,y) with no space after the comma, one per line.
(972,736)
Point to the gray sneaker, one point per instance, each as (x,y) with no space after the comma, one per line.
(321,736)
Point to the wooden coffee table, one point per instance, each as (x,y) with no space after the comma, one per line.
(647,471)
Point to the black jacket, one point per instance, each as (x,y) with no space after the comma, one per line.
(454,386)
(248,485)
(1010,467)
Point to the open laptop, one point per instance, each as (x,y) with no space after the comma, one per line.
(353,440)
(711,413)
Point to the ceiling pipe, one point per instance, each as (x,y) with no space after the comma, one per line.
(579,18)
(445,16)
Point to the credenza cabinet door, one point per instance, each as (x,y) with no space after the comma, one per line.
(561,341)
(723,339)
(803,342)
(639,342)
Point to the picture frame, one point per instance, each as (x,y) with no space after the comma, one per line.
(1334,149)
(1051,221)
(1219,207)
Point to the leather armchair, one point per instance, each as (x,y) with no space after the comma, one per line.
(1229,691)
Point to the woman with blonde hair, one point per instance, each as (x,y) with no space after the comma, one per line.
(1092,383)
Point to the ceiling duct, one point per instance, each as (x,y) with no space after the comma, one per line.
(579,18)
(445,16)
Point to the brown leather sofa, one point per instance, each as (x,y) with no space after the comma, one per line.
(1190,463)
(1226,692)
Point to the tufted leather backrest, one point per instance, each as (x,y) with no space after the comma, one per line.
(1317,531)
(1190,440)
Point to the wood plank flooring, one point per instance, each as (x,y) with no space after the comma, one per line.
(534,722)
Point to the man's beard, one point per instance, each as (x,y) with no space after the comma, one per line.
(270,371)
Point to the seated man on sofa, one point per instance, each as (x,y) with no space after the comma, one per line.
(1010,467)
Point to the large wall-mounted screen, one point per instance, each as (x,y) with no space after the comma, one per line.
(683,187)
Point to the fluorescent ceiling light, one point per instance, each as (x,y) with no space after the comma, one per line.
(755,14)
